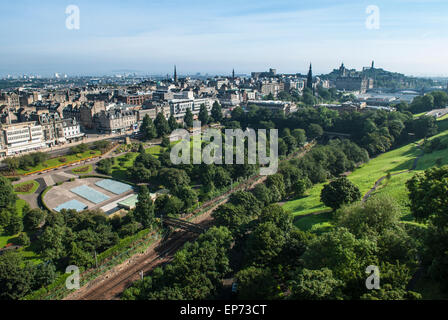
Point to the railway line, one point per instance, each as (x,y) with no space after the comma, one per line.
(114,282)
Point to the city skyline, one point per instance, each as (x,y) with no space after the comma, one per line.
(215,38)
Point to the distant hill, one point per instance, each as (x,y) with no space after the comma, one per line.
(385,79)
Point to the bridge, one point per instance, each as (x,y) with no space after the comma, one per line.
(182,224)
(332,135)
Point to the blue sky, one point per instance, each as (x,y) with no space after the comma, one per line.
(216,36)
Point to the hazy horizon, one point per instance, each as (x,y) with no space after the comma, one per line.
(201,36)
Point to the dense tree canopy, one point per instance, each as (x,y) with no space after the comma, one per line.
(338,192)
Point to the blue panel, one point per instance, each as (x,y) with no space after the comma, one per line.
(71,205)
(114,186)
(90,194)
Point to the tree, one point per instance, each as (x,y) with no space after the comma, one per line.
(216,112)
(247,200)
(315,131)
(300,186)
(316,285)
(203,115)
(147,129)
(424,126)
(15,225)
(275,214)
(79,257)
(7,195)
(165,142)
(188,119)
(172,178)
(256,284)
(262,193)
(188,196)
(376,216)
(168,205)
(172,123)
(300,136)
(428,193)
(338,192)
(34,219)
(277,186)
(52,242)
(265,243)
(44,275)
(290,142)
(161,125)
(202,265)
(12,163)
(235,218)
(23,240)
(440,99)
(144,210)
(15,277)
(345,255)
(105,166)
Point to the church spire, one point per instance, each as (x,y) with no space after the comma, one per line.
(175,73)
(309,82)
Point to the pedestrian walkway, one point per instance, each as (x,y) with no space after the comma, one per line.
(66,175)
(49,180)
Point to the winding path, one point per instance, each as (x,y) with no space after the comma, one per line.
(379,181)
(372,190)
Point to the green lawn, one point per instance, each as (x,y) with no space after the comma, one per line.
(394,161)
(309,204)
(32,190)
(119,170)
(58,161)
(4,239)
(315,223)
(155,151)
(364,177)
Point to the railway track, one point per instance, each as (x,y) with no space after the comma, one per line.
(117,280)
(112,289)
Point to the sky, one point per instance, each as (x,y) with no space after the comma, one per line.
(151,36)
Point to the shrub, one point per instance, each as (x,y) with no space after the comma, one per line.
(23,240)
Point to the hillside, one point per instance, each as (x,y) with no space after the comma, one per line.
(311,213)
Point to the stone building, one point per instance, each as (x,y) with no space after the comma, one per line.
(115,120)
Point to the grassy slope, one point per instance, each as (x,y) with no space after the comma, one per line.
(394,161)
(364,177)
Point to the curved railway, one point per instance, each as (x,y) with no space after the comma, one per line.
(114,282)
